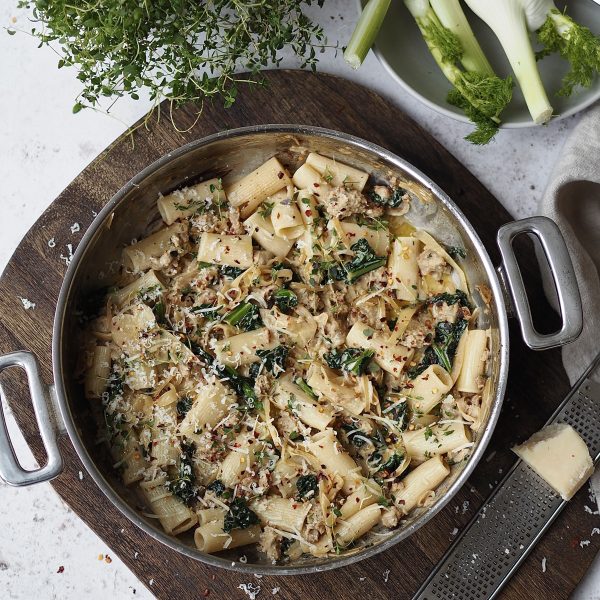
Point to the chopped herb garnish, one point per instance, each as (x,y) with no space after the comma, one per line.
(265,210)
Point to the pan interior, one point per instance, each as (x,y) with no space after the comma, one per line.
(132,214)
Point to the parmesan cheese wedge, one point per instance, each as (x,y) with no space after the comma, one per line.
(559,456)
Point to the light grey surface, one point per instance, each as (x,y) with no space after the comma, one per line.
(43,147)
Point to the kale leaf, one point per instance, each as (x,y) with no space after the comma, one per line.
(183,486)
(394,201)
(242,386)
(391,464)
(245,316)
(351,360)
(159,309)
(240,516)
(326,271)
(184,405)
(459,297)
(399,413)
(364,261)
(207,311)
(305,484)
(217,486)
(230,272)
(285,300)
(442,350)
(301,383)
(456,252)
(273,361)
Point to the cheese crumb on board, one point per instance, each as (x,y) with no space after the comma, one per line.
(559,456)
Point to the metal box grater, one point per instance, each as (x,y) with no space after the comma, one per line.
(516,514)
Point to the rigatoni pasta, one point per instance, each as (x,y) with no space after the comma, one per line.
(287,362)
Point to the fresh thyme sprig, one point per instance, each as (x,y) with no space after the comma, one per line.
(181,50)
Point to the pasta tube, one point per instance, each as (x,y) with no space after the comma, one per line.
(253,189)
(210,406)
(262,231)
(146,285)
(357,525)
(424,443)
(307,178)
(325,446)
(404,269)
(230,250)
(139,256)
(211,538)
(241,349)
(428,389)
(285,217)
(473,361)
(420,482)
(283,513)
(185,202)
(96,378)
(174,515)
(289,395)
(336,173)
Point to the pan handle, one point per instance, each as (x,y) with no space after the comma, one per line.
(565,282)
(10,469)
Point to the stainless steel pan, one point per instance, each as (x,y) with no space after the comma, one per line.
(132,212)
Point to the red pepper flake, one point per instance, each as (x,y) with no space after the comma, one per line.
(308,212)
(107,559)
(61,569)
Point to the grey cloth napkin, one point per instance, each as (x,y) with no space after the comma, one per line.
(572,200)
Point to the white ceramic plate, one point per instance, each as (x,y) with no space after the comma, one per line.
(402,51)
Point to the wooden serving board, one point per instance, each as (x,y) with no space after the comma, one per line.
(537,381)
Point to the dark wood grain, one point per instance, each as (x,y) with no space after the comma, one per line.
(537,381)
